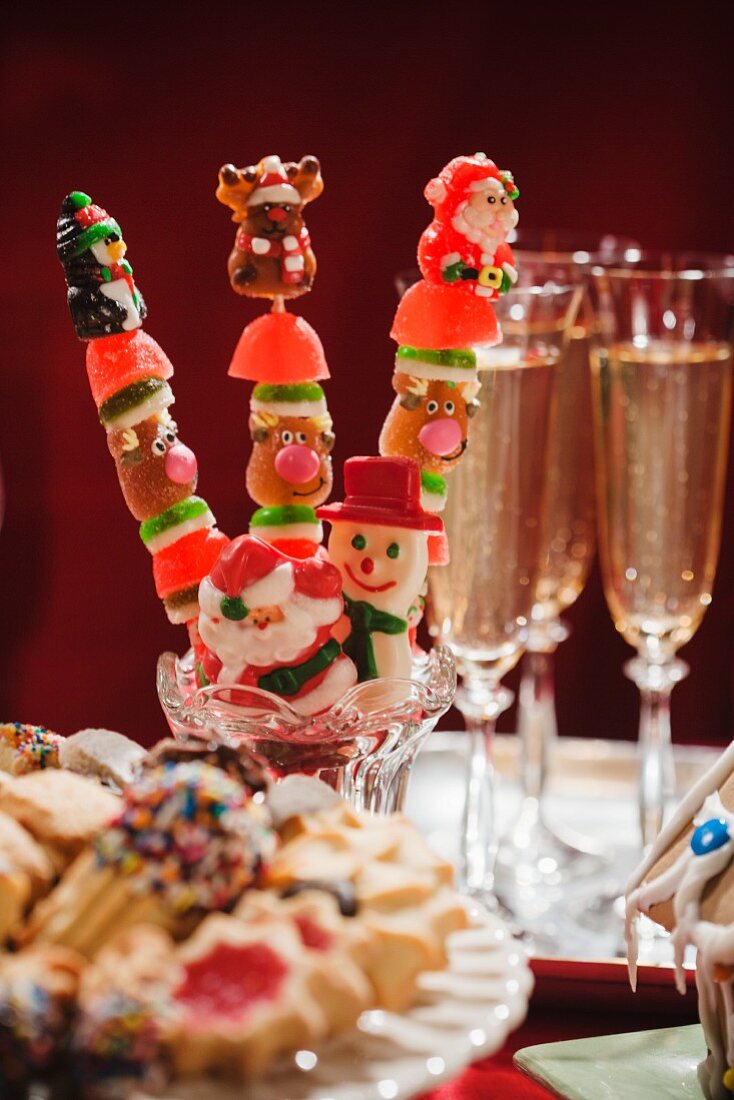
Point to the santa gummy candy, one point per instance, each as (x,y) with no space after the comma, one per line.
(474,212)
(266,621)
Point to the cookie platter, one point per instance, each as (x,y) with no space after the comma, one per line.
(460,1014)
(179,924)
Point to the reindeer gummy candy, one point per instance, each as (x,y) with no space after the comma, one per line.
(272,255)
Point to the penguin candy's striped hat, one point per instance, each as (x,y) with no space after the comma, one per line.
(81,224)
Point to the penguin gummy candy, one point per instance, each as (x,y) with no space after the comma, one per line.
(102,296)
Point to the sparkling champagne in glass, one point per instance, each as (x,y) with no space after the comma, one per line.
(536,851)
(480,603)
(662,380)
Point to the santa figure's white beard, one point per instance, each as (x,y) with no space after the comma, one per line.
(238,644)
(488,239)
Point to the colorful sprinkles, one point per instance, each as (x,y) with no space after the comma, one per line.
(118,1038)
(186,833)
(32,747)
(32,1025)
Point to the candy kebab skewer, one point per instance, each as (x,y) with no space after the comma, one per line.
(289,472)
(444,318)
(129,377)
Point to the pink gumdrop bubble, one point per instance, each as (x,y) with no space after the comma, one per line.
(297,464)
(440,437)
(180,464)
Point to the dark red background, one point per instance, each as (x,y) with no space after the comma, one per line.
(614,118)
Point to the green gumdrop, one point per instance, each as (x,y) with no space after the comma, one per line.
(80,200)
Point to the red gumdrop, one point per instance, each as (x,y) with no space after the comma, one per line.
(438,549)
(188,561)
(225,983)
(296,548)
(437,316)
(279,348)
(115,361)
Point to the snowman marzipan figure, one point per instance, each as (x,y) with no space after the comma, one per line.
(379,542)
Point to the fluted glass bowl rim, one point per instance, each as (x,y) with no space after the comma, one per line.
(367,708)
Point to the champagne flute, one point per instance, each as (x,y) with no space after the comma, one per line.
(480,604)
(661,385)
(534,850)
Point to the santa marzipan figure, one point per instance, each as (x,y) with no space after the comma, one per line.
(474,212)
(379,541)
(266,621)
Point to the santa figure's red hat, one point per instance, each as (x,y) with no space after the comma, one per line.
(274,186)
(460,178)
(251,573)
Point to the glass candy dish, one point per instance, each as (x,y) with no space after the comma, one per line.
(363,746)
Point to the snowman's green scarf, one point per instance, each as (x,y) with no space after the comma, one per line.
(367,620)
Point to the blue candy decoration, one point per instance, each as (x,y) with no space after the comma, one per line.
(710,836)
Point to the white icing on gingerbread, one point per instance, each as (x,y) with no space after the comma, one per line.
(685,881)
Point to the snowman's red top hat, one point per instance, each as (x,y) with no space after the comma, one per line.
(384,491)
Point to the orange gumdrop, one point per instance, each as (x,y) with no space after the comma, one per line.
(279,348)
(437,316)
(114,362)
(723,972)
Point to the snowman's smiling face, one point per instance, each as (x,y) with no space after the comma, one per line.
(385,566)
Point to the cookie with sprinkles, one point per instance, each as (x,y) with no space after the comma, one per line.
(37,991)
(187,840)
(187,834)
(27,748)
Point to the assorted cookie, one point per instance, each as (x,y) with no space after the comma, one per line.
(210,919)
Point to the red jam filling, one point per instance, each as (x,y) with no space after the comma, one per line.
(313,936)
(228,981)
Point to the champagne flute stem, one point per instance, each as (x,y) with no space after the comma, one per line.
(481,700)
(479,832)
(537,721)
(656,779)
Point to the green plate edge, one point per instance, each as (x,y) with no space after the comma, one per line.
(638,1065)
